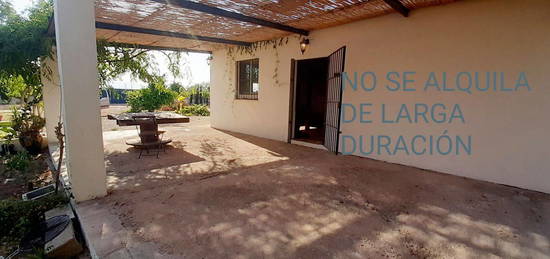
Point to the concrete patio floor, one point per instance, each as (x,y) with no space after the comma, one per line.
(219,194)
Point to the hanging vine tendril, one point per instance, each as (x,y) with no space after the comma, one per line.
(252,51)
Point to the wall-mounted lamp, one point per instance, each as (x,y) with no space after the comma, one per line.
(303,45)
(209,59)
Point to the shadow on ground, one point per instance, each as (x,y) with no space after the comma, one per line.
(222,194)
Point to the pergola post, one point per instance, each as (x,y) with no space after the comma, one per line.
(77,64)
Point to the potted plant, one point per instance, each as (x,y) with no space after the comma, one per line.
(28,126)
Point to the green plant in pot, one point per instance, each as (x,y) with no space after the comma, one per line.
(28,126)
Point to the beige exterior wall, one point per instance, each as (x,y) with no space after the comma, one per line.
(51,93)
(509,129)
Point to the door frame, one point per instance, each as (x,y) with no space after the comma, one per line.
(292,97)
(292,100)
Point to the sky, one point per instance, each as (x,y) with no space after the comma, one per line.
(21,5)
(195,63)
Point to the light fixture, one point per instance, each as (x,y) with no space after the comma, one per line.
(303,45)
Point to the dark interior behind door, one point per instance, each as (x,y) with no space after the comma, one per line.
(310,100)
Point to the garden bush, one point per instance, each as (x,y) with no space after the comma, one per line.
(194,110)
(151,98)
(19,162)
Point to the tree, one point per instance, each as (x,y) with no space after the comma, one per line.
(151,98)
(176,87)
(6,12)
(115,59)
(24,43)
(15,87)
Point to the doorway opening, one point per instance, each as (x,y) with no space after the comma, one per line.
(316,100)
(310,102)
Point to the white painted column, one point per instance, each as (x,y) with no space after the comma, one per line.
(51,93)
(77,63)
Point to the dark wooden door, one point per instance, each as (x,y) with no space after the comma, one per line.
(334,99)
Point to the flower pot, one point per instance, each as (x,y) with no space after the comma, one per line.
(31,141)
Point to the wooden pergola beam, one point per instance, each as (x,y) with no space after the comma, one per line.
(233,15)
(126,28)
(148,47)
(398,6)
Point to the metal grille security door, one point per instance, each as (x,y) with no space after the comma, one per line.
(334,99)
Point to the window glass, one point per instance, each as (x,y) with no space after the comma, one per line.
(247,79)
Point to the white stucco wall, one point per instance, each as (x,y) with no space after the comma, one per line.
(266,117)
(51,92)
(509,129)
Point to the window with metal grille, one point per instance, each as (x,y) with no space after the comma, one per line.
(247,79)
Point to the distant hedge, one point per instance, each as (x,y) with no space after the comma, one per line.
(194,110)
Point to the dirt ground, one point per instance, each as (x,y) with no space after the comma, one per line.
(13,184)
(218,194)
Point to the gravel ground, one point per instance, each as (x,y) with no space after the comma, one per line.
(218,194)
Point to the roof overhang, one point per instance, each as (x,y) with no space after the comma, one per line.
(206,25)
